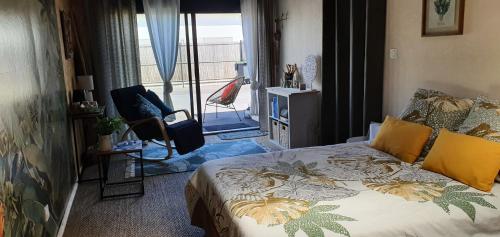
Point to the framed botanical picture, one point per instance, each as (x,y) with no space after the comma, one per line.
(443,17)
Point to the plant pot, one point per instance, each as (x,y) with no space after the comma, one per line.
(105,143)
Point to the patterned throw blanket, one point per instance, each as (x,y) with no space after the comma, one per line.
(342,190)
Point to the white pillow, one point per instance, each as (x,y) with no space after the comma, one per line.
(372,133)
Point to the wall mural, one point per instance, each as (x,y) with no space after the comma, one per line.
(36,172)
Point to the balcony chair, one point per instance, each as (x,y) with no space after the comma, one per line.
(225,97)
(187,135)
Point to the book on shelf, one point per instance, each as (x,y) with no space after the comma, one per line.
(275,112)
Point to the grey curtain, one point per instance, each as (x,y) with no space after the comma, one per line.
(267,60)
(114,47)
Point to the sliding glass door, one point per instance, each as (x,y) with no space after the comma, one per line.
(210,57)
(182,80)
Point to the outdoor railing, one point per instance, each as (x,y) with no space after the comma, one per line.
(216,63)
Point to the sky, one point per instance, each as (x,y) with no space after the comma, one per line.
(208,26)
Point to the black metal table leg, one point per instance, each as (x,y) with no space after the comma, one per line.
(142,172)
(134,147)
(78,114)
(101,185)
(77,156)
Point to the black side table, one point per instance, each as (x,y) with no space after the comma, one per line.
(123,148)
(78,114)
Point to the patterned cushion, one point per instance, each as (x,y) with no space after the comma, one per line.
(146,109)
(155,99)
(437,110)
(419,107)
(483,121)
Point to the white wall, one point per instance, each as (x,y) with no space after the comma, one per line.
(466,65)
(302,33)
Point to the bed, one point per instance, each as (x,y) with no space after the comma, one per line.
(340,190)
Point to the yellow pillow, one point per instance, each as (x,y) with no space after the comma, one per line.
(471,160)
(402,139)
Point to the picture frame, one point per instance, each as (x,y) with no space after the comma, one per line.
(442,17)
(66,34)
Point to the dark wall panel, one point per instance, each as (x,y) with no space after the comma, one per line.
(343,65)
(353,64)
(375,54)
(203,6)
(357,63)
(329,70)
(211,6)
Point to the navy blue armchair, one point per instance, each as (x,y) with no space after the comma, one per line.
(187,135)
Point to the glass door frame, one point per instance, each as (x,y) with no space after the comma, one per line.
(195,83)
(188,53)
(195,61)
(196,68)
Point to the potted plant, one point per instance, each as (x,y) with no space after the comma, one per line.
(104,128)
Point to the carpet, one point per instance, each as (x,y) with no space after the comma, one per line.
(224,127)
(161,212)
(189,162)
(241,135)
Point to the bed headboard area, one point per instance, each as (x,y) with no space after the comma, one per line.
(465,65)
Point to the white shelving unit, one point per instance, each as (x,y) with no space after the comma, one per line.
(301,128)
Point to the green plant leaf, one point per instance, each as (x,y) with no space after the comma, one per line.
(455,195)
(324,208)
(334,227)
(106,126)
(334,217)
(311,229)
(315,219)
(291,228)
(481,201)
(466,207)
(456,188)
(443,205)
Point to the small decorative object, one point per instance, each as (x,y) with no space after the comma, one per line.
(104,128)
(296,78)
(289,74)
(86,84)
(275,108)
(86,107)
(66,32)
(75,105)
(89,104)
(93,104)
(443,17)
(284,115)
(310,70)
(284,142)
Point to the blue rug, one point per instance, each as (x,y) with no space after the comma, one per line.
(189,162)
(242,134)
(225,127)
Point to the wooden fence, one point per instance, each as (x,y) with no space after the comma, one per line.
(216,62)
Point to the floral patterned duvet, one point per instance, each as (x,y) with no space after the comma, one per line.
(342,190)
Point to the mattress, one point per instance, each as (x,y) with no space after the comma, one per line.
(340,190)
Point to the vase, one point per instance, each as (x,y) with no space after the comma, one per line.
(105,143)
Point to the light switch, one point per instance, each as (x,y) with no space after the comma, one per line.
(393,54)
